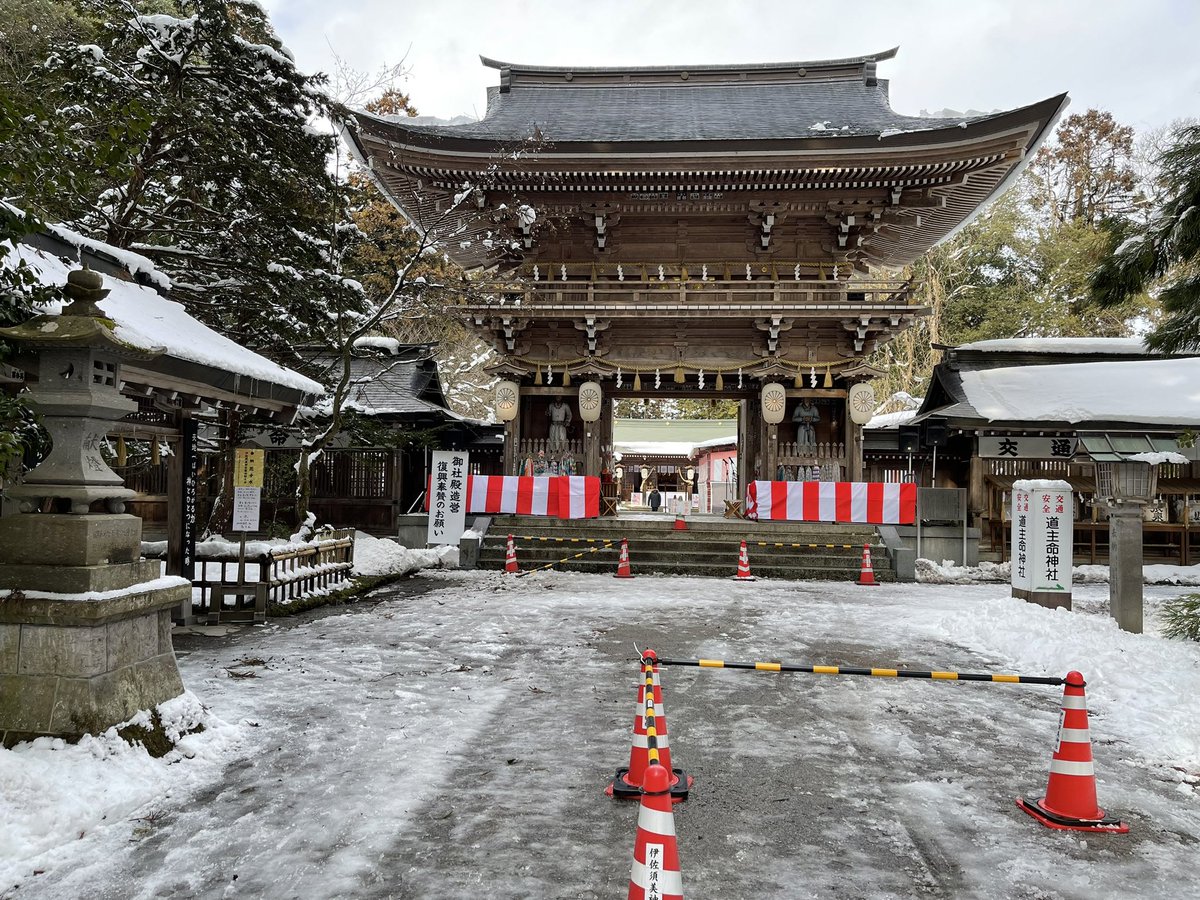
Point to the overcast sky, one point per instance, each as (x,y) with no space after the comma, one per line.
(1135,58)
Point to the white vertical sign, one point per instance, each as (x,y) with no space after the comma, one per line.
(1043,534)
(1019,554)
(1053,538)
(448,496)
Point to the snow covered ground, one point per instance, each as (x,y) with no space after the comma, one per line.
(455,743)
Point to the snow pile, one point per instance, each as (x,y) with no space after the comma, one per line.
(54,793)
(947,572)
(378,556)
(929,572)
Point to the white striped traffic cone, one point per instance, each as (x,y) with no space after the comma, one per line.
(510,556)
(743,569)
(866,574)
(655,873)
(1070,801)
(628,782)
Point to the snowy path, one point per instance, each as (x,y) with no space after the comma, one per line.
(455,744)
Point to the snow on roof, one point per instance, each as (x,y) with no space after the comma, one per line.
(891,420)
(655,448)
(1156,392)
(146,320)
(1115,346)
(134,263)
(717,442)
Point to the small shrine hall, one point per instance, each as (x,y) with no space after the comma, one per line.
(712,231)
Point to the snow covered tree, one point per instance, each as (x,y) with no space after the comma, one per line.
(1163,255)
(202,156)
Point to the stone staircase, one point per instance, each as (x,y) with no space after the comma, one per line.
(797,551)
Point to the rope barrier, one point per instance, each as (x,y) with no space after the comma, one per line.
(561,540)
(853,670)
(550,565)
(808,546)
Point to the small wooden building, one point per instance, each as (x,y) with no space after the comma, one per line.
(378,472)
(1050,408)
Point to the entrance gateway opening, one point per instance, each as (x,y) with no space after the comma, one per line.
(705,231)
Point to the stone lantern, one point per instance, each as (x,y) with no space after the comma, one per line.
(85,639)
(1125,487)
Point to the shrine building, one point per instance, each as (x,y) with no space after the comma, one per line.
(713,231)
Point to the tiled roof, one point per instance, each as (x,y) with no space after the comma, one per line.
(402,385)
(833,99)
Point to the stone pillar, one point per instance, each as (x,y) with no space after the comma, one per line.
(1125,582)
(85,624)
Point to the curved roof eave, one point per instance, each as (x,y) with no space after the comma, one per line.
(1030,150)
(709,67)
(443,140)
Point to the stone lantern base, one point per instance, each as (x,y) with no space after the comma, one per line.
(71,665)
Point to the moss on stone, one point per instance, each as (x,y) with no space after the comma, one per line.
(154,738)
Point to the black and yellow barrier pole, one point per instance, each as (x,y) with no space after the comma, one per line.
(854,670)
(606,546)
(808,546)
(563,540)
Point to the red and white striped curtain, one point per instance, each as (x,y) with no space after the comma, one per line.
(869,502)
(565,496)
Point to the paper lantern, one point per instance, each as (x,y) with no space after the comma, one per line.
(591,401)
(862,403)
(508,397)
(774,402)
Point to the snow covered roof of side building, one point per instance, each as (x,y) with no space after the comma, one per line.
(712,443)
(892,420)
(146,320)
(1162,392)
(1116,346)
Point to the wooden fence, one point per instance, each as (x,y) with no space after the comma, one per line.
(276,576)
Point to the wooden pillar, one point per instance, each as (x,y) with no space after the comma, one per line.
(854,447)
(743,449)
(752,445)
(512,441)
(975,490)
(396,461)
(770,454)
(593,438)
(175,507)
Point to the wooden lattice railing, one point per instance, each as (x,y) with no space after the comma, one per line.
(287,573)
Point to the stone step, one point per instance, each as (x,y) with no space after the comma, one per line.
(683,567)
(708,546)
(696,524)
(536,555)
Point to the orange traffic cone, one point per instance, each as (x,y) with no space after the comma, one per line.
(510,556)
(866,574)
(680,524)
(651,744)
(1070,801)
(655,873)
(623,570)
(743,570)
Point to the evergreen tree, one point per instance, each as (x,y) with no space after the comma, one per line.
(202,156)
(1164,254)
